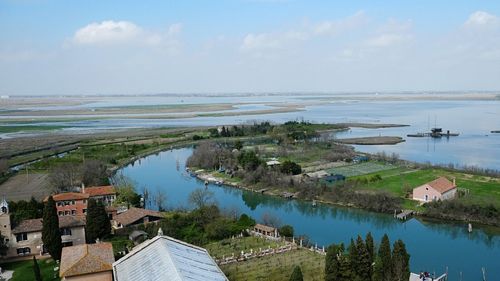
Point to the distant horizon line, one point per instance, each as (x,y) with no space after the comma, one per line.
(256,93)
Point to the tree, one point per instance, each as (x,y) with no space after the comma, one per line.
(384,262)
(4,166)
(363,270)
(201,198)
(332,262)
(400,262)
(64,176)
(270,219)
(94,173)
(249,160)
(160,199)
(98,224)
(51,235)
(36,270)
(289,167)
(286,231)
(238,144)
(370,247)
(296,274)
(125,190)
(3,246)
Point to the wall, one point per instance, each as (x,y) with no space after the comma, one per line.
(101,276)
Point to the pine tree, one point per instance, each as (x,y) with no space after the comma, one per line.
(296,274)
(353,256)
(332,264)
(363,270)
(378,270)
(36,270)
(400,262)
(370,247)
(345,269)
(51,235)
(383,266)
(98,224)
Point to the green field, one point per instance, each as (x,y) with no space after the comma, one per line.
(360,169)
(23,270)
(227,247)
(482,190)
(278,267)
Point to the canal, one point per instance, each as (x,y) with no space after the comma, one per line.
(433,246)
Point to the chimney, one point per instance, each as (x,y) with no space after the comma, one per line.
(83,188)
(454,184)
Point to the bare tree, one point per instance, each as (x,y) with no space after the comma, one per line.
(271,220)
(94,173)
(4,166)
(201,197)
(64,177)
(160,199)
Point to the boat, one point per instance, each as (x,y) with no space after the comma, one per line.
(314,204)
(417,135)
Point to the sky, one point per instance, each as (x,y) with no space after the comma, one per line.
(227,46)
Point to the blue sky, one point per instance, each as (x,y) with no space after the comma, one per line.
(132,47)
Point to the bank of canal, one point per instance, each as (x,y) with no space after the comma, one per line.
(433,245)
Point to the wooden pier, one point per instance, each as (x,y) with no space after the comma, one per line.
(404,215)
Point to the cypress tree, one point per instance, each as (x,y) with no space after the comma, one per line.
(332,264)
(363,270)
(378,270)
(51,235)
(297,274)
(370,247)
(98,224)
(400,262)
(384,265)
(345,269)
(36,270)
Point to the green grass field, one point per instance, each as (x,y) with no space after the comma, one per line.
(360,169)
(28,128)
(23,270)
(482,190)
(278,267)
(229,246)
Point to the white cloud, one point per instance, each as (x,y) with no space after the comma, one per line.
(111,32)
(107,32)
(481,18)
(392,33)
(338,26)
(259,42)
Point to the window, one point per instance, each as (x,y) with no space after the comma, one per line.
(73,212)
(67,244)
(84,211)
(60,204)
(426,197)
(60,213)
(84,201)
(67,213)
(21,237)
(65,231)
(72,202)
(23,251)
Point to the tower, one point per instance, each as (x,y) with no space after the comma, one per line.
(5,227)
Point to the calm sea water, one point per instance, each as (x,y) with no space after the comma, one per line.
(433,246)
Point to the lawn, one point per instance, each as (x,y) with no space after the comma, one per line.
(278,267)
(229,246)
(482,190)
(23,270)
(360,169)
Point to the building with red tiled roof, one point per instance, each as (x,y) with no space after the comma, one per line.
(105,194)
(89,262)
(136,216)
(438,189)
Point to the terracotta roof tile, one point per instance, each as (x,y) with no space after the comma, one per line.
(35,225)
(86,259)
(264,227)
(68,196)
(134,214)
(100,190)
(442,185)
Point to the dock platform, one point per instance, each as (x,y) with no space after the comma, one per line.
(404,215)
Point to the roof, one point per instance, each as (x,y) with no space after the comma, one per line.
(164,258)
(264,227)
(137,233)
(134,214)
(100,190)
(86,259)
(35,225)
(68,196)
(442,185)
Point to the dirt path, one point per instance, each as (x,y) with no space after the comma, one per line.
(21,187)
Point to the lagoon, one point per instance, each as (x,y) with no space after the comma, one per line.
(434,246)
